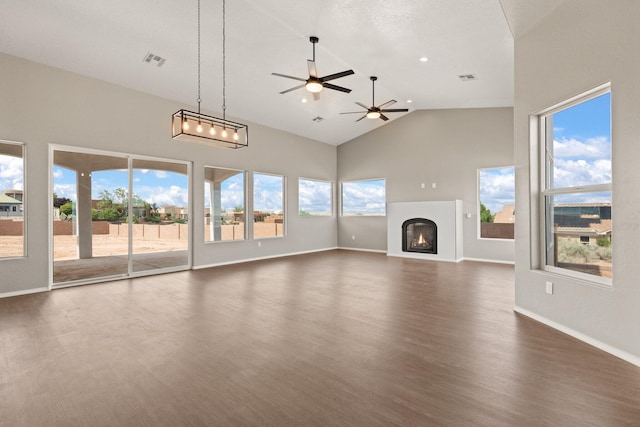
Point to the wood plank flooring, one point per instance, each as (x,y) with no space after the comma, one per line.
(336,338)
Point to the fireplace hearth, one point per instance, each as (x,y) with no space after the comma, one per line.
(420,235)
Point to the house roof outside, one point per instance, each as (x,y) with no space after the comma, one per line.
(6,200)
(506,215)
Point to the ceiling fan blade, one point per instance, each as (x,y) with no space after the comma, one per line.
(316,96)
(383,117)
(334,87)
(362,105)
(353,112)
(312,68)
(394,110)
(289,77)
(292,89)
(386,104)
(336,75)
(361,118)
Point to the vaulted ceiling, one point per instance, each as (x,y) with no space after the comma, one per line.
(108,40)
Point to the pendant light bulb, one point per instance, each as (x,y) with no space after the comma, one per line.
(199,128)
(235,135)
(185,124)
(212,130)
(224,132)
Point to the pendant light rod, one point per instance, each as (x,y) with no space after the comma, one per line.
(314,40)
(373,89)
(224,60)
(199,57)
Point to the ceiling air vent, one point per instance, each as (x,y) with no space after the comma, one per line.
(467,77)
(318,119)
(152,58)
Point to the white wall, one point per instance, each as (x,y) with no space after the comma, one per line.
(581,45)
(442,146)
(40,105)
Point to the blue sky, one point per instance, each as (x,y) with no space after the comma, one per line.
(231,193)
(153,186)
(268,193)
(582,144)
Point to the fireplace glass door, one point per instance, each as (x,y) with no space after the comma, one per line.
(420,235)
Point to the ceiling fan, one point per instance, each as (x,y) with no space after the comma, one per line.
(374,112)
(315,84)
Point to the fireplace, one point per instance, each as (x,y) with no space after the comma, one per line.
(420,235)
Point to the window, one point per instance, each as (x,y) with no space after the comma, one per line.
(315,197)
(496,189)
(268,205)
(11,199)
(224,204)
(361,198)
(576,186)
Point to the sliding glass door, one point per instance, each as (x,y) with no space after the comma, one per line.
(117,215)
(160,215)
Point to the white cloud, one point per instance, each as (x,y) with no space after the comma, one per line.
(11,173)
(363,197)
(65,190)
(57,174)
(590,148)
(497,188)
(161,174)
(173,195)
(569,173)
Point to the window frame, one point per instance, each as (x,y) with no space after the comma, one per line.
(245,198)
(479,226)
(384,214)
(541,136)
(331,198)
(24,201)
(284,205)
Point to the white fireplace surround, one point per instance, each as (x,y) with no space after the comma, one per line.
(448,218)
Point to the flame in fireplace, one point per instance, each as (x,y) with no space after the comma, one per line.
(421,240)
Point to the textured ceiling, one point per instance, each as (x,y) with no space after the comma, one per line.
(108,41)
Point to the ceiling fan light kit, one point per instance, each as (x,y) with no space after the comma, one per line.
(197,127)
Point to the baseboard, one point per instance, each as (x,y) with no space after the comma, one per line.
(240,261)
(495,261)
(361,250)
(25,292)
(628,357)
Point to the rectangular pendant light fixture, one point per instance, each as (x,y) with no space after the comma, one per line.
(196,127)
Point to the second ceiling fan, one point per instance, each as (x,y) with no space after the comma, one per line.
(374,112)
(315,84)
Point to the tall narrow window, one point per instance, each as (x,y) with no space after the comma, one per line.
(576,186)
(496,189)
(11,199)
(224,204)
(268,205)
(360,198)
(315,197)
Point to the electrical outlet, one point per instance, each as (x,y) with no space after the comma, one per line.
(549,288)
(433,185)
(422,185)
(259,244)
(353,237)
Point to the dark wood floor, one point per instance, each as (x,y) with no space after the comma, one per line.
(336,338)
